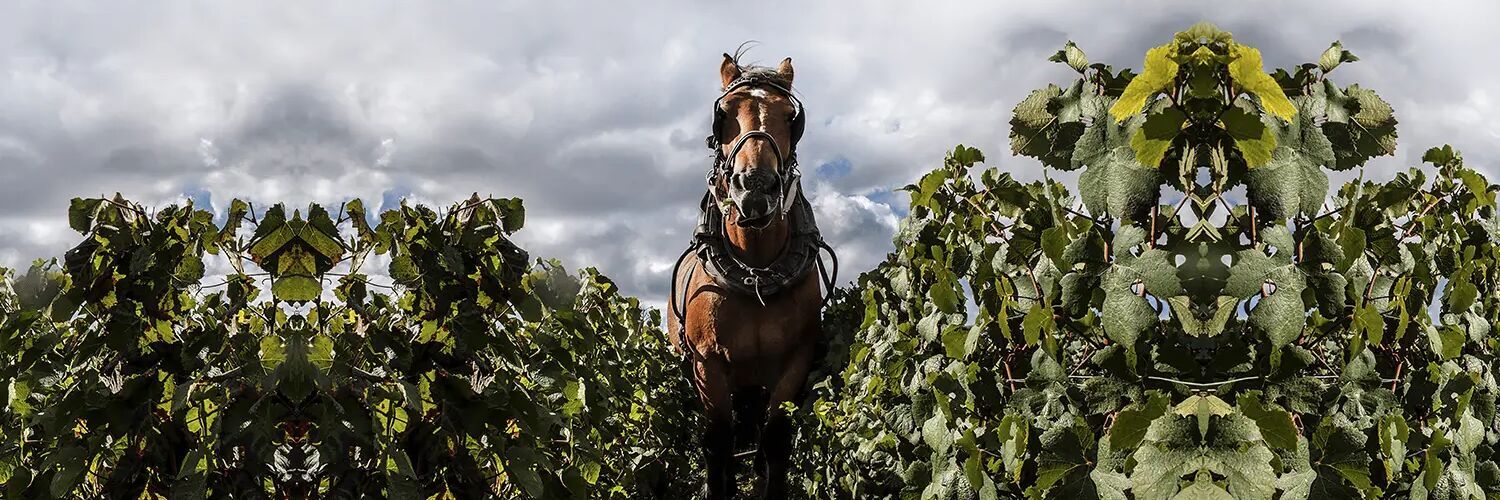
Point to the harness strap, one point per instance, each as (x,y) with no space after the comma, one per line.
(804,246)
(756,279)
(787,173)
(828,281)
(680,310)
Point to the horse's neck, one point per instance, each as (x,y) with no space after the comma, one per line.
(758,247)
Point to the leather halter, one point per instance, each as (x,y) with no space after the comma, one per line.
(787,173)
(788,177)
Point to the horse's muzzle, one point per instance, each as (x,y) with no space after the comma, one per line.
(757,196)
(756,210)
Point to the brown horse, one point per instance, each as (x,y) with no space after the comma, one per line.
(749,317)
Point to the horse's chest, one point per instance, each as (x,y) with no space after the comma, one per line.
(743,331)
(751,333)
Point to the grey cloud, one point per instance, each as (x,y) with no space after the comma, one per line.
(594,112)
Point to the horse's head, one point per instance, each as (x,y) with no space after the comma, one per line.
(757,123)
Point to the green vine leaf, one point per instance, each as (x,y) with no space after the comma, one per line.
(1151,141)
(1334,56)
(1160,70)
(1254,139)
(1245,69)
(1359,124)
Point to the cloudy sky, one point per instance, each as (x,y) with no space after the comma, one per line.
(594,113)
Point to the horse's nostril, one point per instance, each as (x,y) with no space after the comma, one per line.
(760,182)
(754,208)
(755,182)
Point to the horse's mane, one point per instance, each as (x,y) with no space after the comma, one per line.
(754,70)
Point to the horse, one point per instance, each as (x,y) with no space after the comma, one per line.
(749,317)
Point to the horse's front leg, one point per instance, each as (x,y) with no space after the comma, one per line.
(711,378)
(776,439)
(718,443)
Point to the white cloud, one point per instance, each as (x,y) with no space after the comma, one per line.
(859,228)
(594,112)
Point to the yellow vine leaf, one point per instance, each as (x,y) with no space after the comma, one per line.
(1159,70)
(1245,69)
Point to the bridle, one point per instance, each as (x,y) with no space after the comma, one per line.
(788,175)
(791,180)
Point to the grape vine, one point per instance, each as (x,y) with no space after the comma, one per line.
(1248,335)
(1198,317)
(478,375)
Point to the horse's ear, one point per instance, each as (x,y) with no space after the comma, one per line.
(786,70)
(729,70)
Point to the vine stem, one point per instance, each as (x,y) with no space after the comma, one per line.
(1253,235)
(1035,285)
(226,282)
(125,206)
(1400,363)
(1081,214)
(362,280)
(1398,374)
(1084,360)
(1009,378)
(1325,214)
(472,204)
(1203,384)
(1176,210)
(1417,221)
(1370,288)
(1155,211)
(1321,359)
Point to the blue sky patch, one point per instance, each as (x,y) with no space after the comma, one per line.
(838,167)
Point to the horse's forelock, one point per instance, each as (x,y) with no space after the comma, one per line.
(764,73)
(753,70)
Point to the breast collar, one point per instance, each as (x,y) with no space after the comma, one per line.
(797,257)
